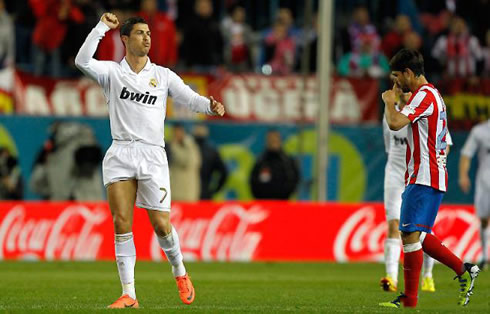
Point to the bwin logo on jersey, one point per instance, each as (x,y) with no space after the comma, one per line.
(400,140)
(145,98)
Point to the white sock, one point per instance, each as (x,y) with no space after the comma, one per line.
(171,246)
(428,265)
(126,259)
(392,257)
(484,233)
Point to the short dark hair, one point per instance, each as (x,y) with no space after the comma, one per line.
(408,59)
(127,26)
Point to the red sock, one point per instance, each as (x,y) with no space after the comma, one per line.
(435,249)
(411,270)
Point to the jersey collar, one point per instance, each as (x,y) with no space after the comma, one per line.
(128,69)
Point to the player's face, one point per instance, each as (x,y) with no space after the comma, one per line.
(401,79)
(139,40)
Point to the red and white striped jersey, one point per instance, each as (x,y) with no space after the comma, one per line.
(427,146)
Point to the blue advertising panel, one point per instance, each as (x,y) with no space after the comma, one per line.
(355,166)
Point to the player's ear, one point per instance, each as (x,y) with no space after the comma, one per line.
(124,39)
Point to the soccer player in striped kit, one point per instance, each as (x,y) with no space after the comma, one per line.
(135,167)
(426,175)
(394,185)
(479,140)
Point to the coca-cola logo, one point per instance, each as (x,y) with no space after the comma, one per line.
(68,236)
(228,235)
(459,229)
(362,235)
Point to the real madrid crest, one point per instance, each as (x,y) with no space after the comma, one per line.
(153,82)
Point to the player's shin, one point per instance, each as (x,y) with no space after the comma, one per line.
(411,269)
(126,259)
(434,248)
(170,244)
(428,265)
(484,234)
(392,257)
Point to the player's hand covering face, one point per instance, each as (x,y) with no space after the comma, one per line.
(139,40)
(110,20)
(400,79)
(217,107)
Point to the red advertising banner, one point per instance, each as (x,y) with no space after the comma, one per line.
(246,97)
(254,231)
(47,96)
(291,98)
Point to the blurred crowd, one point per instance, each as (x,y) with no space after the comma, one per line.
(68,167)
(265,37)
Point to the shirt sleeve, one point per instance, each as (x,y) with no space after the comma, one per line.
(420,106)
(471,145)
(95,69)
(182,94)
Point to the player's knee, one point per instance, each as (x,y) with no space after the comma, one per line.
(409,237)
(393,231)
(122,223)
(162,227)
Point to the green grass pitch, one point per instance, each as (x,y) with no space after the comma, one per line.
(88,287)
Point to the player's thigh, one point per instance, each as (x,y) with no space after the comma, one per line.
(393,201)
(118,164)
(154,181)
(121,196)
(420,205)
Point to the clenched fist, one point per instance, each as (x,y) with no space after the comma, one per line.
(110,20)
(389,97)
(217,108)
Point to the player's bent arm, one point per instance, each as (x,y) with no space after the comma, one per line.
(95,69)
(395,119)
(182,94)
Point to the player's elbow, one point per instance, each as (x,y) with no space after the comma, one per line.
(397,122)
(395,125)
(79,62)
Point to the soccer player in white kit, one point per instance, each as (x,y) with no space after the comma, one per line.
(394,185)
(479,140)
(135,167)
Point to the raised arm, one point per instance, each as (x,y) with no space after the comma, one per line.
(95,69)
(182,94)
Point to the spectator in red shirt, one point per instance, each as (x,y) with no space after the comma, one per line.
(53,17)
(393,41)
(164,46)
(279,50)
(459,51)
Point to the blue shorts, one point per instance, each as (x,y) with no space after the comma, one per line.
(420,204)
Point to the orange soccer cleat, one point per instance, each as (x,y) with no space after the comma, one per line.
(124,301)
(186,289)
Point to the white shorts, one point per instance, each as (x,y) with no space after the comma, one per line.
(394,185)
(482,200)
(147,164)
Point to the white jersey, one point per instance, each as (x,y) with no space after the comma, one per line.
(395,142)
(136,101)
(479,140)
